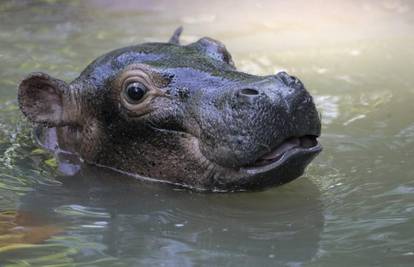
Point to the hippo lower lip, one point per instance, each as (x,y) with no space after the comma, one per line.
(307,144)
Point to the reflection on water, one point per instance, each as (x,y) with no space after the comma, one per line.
(157,224)
(355,207)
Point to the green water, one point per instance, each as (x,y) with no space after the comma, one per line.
(353,207)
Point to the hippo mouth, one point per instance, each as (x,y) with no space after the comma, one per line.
(288,149)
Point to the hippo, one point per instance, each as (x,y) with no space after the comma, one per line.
(179,114)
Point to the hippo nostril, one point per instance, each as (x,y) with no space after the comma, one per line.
(286,78)
(289,80)
(249,92)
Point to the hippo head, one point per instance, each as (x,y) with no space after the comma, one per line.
(181,114)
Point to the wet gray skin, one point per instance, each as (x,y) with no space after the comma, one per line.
(178,113)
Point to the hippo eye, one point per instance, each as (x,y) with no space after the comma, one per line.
(135,92)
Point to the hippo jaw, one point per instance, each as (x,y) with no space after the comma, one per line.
(181,115)
(290,158)
(282,165)
(286,162)
(289,148)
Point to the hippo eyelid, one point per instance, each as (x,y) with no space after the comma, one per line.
(139,74)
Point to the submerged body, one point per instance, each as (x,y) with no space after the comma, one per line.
(180,114)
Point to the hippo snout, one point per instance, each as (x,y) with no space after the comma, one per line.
(258,118)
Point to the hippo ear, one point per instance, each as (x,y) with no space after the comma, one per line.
(175,38)
(214,49)
(42,99)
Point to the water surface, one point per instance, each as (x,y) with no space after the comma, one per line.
(353,207)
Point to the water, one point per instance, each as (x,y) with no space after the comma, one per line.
(354,206)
